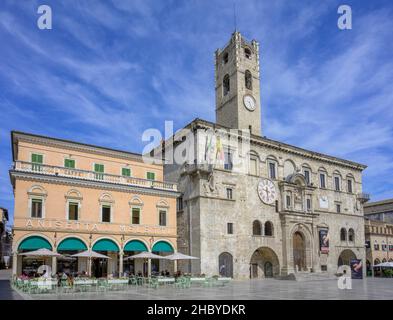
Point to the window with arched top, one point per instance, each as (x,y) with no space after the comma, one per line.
(257,228)
(248,79)
(225,58)
(226,85)
(343,234)
(351,235)
(268,228)
(247,53)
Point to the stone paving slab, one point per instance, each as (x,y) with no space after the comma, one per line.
(373,289)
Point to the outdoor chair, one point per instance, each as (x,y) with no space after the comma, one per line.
(180,283)
(102,285)
(65,287)
(153,282)
(133,281)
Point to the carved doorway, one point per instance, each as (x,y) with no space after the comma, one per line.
(299,252)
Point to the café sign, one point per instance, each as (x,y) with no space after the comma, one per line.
(95,227)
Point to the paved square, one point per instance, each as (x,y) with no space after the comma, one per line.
(376,289)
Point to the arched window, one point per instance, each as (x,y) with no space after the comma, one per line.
(343,234)
(247,53)
(268,228)
(376,261)
(225,58)
(383,260)
(248,79)
(226,84)
(256,228)
(351,235)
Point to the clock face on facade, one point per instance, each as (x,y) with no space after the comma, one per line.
(249,102)
(267,191)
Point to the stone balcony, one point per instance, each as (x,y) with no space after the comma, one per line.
(21,166)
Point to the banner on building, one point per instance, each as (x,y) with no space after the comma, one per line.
(324,240)
(356,269)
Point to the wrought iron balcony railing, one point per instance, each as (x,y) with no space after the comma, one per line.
(363,197)
(91,175)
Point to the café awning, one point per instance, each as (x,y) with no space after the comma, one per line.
(105,245)
(135,245)
(35,243)
(71,244)
(162,246)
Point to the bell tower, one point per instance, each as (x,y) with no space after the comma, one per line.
(238,102)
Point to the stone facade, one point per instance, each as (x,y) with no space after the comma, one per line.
(379,232)
(223,217)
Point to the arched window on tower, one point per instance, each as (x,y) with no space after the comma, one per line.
(268,228)
(351,235)
(247,53)
(225,58)
(248,79)
(256,228)
(343,234)
(226,84)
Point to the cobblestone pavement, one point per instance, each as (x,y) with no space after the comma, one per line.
(255,289)
(6,292)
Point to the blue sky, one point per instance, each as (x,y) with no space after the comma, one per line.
(108,70)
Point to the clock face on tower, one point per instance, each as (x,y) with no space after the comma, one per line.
(267,191)
(249,102)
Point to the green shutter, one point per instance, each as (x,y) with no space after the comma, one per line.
(69,163)
(151,176)
(36,158)
(126,172)
(99,168)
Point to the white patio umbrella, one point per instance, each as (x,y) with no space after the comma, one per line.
(145,255)
(89,254)
(41,253)
(385,265)
(179,256)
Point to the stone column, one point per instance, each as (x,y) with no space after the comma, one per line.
(149,267)
(54,265)
(14,263)
(121,263)
(175,266)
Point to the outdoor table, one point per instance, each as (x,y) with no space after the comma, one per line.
(84,284)
(118,283)
(165,281)
(223,280)
(43,284)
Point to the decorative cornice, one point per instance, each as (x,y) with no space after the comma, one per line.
(91,184)
(280,146)
(72,145)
